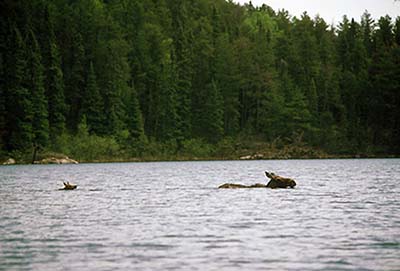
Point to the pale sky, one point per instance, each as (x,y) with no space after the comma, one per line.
(333,10)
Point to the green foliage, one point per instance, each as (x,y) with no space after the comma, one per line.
(225,78)
(170,78)
(88,147)
(92,103)
(3,83)
(85,147)
(135,127)
(196,148)
(225,148)
(297,114)
(19,103)
(54,85)
(114,79)
(40,123)
(214,114)
(75,82)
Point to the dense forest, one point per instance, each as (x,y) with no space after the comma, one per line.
(206,78)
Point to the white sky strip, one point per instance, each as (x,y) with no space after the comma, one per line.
(333,10)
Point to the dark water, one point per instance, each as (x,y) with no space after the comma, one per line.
(343,215)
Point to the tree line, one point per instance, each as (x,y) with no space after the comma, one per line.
(145,76)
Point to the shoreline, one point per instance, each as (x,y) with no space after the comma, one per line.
(204,159)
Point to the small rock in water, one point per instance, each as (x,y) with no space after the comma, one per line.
(9,161)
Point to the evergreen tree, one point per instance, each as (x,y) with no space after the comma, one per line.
(19,104)
(182,58)
(136,129)
(397,31)
(264,72)
(367,26)
(353,60)
(3,82)
(113,77)
(226,79)
(202,78)
(212,120)
(92,104)
(275,114)
(312,97)
(306,48)
(75,82)
(54,83)
(40,123)
(384,76)
(244,64)
(298,118)
(167,127)
(175,70)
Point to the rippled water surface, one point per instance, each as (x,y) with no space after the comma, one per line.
(343,215)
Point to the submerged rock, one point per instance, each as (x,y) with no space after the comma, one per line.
(234,185)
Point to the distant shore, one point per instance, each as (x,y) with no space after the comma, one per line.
(307,153)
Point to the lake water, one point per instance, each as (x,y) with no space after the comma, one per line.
(343,215)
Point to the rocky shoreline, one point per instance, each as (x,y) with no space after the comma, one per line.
(44,161)
(60,159)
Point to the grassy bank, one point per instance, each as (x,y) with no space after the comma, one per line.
(93,149)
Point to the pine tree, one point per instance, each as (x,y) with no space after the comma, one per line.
(225,77)
(40,123)
(135,126)
(19,104)
(54,82)
(75,82)
(114,82)
(214,114)
(397,31)
(182,58)
(202,78)
(275,115)
(384,74)
(264,72)
(174,70)
(3,82)
(311,93)
(367,26)
(307,53)
(92,104)
(244,63)
(167,127)
(298,117)
(354,65)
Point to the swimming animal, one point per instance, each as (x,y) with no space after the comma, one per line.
(234,185)
(68,186)
(278,181)
(275,182)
